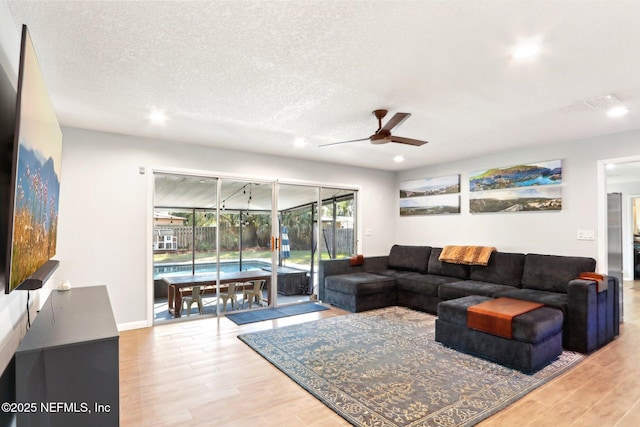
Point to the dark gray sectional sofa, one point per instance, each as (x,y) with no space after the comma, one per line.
(419,280)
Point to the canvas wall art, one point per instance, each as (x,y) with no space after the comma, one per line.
(38,157)
(524,175)
(430,186)
(430,196)
(534,198)
(430,205)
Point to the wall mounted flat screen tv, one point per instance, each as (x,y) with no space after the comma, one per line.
(7,128)
(35,174)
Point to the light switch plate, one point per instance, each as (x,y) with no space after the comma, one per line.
(586,235)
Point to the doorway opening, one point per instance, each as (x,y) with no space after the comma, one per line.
(635,225)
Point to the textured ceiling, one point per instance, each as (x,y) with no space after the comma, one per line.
(257,75)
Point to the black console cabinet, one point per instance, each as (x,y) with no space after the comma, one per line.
(67,369)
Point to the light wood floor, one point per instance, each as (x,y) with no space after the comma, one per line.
(198,373)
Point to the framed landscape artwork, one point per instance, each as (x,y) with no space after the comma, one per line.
(525,187)
(430,196)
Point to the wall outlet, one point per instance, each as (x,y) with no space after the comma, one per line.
(586,235)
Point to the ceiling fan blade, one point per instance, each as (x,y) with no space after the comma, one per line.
(396,120)
(409,141)
(343,142)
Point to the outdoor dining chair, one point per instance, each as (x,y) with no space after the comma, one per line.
(253,293)
(196,296)
(230,295)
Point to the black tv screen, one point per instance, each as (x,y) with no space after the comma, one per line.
(7,128)
(35,173)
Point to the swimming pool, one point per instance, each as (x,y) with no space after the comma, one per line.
(166,270)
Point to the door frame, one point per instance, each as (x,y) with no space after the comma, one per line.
(601,195)
(151,170)
(627,238)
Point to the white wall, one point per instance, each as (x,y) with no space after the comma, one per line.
(528,232)
(102,235)
(9,43)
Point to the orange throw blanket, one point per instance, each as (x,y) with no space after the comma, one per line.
(470,255)
(495,316)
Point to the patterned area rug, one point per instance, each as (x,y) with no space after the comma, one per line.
(384,368)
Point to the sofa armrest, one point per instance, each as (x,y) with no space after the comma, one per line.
(333,267)
(593,316)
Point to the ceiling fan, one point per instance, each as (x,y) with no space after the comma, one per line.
(383,134)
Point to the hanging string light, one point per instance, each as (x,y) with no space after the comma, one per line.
(246,218)
(248,215)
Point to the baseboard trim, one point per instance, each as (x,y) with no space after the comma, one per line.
(133,325)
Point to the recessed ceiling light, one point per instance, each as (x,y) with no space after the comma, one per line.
(299,142)
(398,159)
(526,50)
(617,111)
(158,117)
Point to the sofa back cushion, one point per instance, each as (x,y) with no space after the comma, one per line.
(552,272)
(409,258)
(503,268)
(440,268)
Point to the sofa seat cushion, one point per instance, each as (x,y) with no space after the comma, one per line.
(359,283)
(409,258)
(423,284)
(555,300)
(455,310)
(390,273)
(530,327)
(503,268)
(471,287)
(552,272)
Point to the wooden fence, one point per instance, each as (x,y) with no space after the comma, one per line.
(343,240)
(205,239)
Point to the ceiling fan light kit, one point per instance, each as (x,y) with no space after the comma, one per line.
(383,134)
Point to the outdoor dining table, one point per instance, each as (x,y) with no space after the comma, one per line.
(175,283)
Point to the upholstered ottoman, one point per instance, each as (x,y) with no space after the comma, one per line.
(357,292)
(535,341)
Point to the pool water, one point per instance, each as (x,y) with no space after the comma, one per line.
(165,270)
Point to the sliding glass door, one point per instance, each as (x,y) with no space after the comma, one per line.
(297,254)
(338,223)
(184,242)
(226,244)
(245,247)
(315,223)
